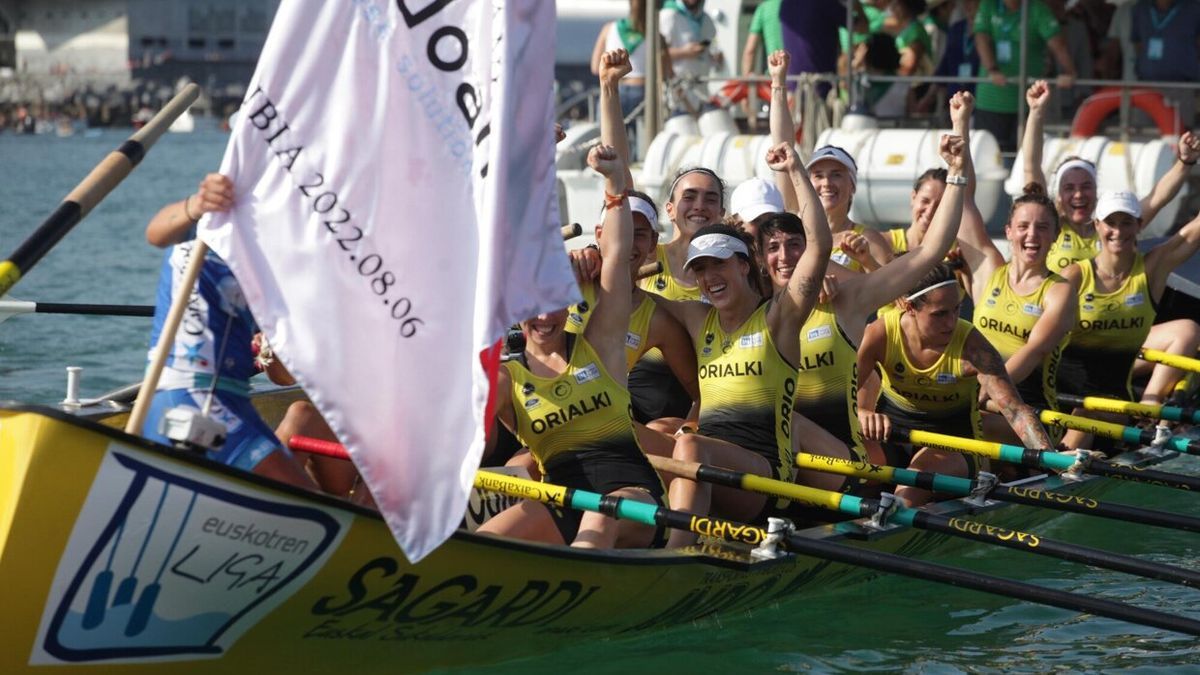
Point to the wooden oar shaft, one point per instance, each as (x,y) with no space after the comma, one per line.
(166,339)
(81,200)
(652,515)
(571,231)
(1025,496)
(649,270)
(1172,360)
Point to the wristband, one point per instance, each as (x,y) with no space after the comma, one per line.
(958,180)
(186,212)
(1191,163)
(614,201)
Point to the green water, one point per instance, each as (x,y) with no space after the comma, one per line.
(885,625)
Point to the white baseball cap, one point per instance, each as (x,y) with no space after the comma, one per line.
(755,197)
(1118,202)
(836,154)
(715,245)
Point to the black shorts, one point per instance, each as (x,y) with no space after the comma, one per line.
(654,391)
(1095,373)
(602,471)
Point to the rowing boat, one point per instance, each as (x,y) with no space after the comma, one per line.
(151,555)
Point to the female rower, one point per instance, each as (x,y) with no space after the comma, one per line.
(1075,186)
(933,366)
(835,178)
(1023,309)
(923,203)
(1118,292)
(747,350)
(827,382)
(568,403)
(211,356)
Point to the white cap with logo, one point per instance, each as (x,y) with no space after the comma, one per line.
(835,154)
(755,197)
(1118,202)
(715,245)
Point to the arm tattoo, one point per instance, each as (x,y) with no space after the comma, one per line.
(999,386)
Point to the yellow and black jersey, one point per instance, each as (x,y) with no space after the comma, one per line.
(939,398)
(1108,335)
(637,339)
(582,409)
(1071,247)
(827,381)
(665,284)
(1007,319)
(898,237)
(747,389)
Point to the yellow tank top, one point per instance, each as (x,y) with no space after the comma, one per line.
(665,284)
(1113,322)
(582,409)
(747,389)
(842,258)
(939,397)
(899,239)
(827,381)
(636,339)
(1006,319)
(1070,247)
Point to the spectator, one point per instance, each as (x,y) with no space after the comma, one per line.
(629,34)
(805,29)
(689,33)
(885,99)
(959,60)
(912,41)
(998,38)
(1166,39)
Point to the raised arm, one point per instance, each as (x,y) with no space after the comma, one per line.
(994,381)
(613,66)
(782,128)
(861,296)
(791,308)
(1172,253)
(614,294)
(1168,186)
(978,252)
(1061,309)
(174,222)
(1033,141)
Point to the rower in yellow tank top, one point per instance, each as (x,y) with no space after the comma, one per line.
(665,284)
(1007,319)
(898,238)
(1071,247)
(580,410)
(637,340)
(1108,335)
(828,379)
(842,258)
(941,396)
(747,389)
(932,367)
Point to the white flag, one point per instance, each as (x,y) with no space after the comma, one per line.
(395,210)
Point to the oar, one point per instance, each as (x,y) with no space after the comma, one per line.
(1152,411)
(924,520)
(10,307)
(649,270)
(1045,459)
(1173,360)
(79,202)
(571,231)
(1120,432)
(1058,501)
(649,514)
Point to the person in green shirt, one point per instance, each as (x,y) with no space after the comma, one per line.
(998,41)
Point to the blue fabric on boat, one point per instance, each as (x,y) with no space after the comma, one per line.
(249,439)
